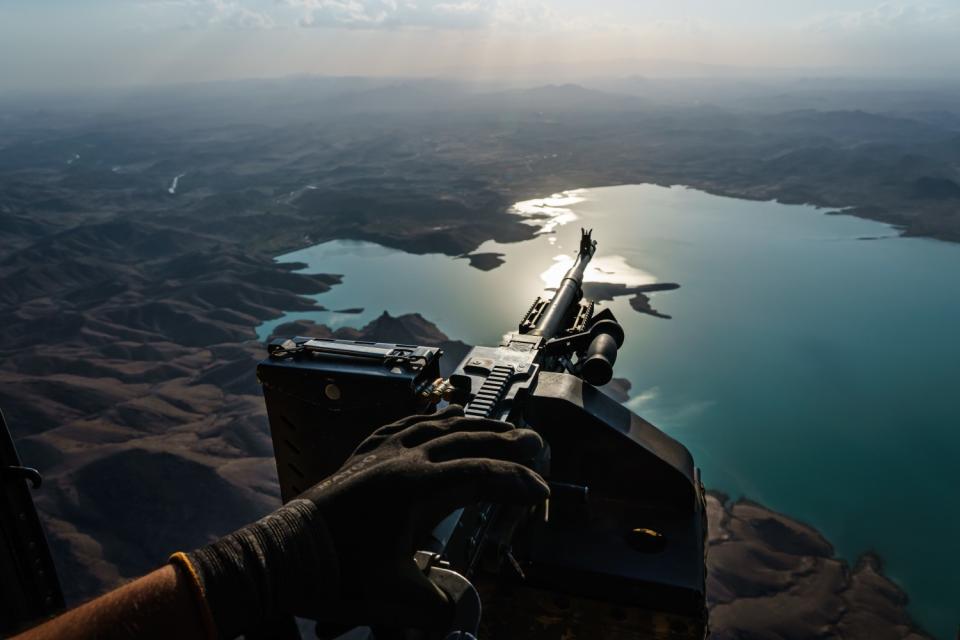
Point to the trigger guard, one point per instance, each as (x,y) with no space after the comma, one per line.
(463,595)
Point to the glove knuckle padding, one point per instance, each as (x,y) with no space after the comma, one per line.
(488,480)
(519,445)
(424,432)
(393,428)
(374,441)
(425,424)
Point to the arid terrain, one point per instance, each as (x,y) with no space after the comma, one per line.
(130,302)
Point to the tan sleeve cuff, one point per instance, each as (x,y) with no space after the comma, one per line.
(181,561)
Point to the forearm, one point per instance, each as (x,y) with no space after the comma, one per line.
(161,604)
(322,555)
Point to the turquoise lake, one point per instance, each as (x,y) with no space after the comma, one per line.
(811,362)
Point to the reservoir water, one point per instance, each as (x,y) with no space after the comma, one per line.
(811,362)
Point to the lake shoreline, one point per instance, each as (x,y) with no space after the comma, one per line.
(442,242)
(866,211)
(768,571)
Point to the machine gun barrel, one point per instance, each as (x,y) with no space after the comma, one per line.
(553,318)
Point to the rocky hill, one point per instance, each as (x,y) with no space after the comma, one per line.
(773,577)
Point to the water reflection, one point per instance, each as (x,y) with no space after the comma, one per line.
(550,213)
(602,269)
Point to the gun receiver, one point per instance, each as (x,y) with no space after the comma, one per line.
(562,334)
(619,550)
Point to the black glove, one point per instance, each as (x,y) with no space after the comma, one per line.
(350,538)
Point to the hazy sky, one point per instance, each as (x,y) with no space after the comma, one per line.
(60,43)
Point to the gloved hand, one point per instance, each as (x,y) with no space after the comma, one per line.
(350,538)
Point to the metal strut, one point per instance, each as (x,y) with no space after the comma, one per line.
(17,472)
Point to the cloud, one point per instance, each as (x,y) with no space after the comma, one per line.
(891,37)
(233,15)
(199,14)
(892,17)
(427,14)
(357,15)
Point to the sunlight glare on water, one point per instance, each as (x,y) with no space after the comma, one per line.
(606,269)
(549,213)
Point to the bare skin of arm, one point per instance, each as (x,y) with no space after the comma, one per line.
(158,605)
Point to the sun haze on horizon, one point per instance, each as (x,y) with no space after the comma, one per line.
(62,44)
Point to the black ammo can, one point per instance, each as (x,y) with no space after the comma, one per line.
(324,397)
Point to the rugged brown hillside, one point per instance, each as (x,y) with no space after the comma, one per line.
(773,577)
(127,377)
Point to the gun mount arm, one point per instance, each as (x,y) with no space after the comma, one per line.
(596,441)
(635,533)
